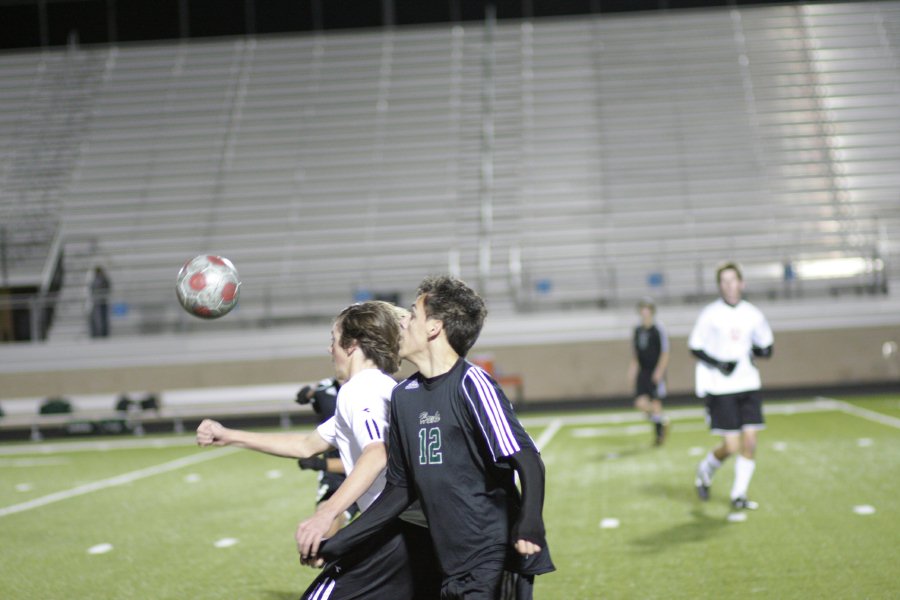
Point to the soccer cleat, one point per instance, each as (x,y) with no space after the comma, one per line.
(742,503)
(702,483)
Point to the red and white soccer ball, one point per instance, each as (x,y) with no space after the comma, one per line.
(208,286)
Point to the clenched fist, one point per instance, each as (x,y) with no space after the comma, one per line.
(211,433)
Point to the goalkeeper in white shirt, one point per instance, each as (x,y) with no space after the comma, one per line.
(728,336)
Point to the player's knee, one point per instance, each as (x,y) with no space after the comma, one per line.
(748,443)
(730,445)
(748,447)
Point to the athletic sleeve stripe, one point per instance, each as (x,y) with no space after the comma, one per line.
(491,405)
(372,426)
(480,424)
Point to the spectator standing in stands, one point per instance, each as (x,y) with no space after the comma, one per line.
(98,291)
(649,359)
(323,399)
(728,335)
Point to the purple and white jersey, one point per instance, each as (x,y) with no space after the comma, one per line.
(361,418)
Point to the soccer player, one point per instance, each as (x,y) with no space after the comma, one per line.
(455,444)
(364,350)
(649,359)
(728,335)
(323,399)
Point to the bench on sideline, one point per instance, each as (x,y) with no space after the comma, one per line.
(174,406)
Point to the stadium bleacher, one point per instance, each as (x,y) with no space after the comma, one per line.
(613,157)
(569,163)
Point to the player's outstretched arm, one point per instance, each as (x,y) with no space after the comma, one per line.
(527,533)
(288,445)
(310,532)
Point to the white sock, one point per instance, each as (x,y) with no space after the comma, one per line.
(710,464)
(743,472)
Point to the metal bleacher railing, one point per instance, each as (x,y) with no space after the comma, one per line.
(572,162)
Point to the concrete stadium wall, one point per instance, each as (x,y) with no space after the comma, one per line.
(802,359)
(553,372)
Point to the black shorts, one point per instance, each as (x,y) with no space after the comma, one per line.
(397,564)
(484,582)
(646,387)
(732,413)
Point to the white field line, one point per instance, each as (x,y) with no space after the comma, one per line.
(28,463)
(634,416)
(642,429)
(118,480)
(871,415)
(96,445)
(548,434)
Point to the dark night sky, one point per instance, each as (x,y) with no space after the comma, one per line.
(32,23)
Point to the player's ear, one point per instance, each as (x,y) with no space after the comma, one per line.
(435,327)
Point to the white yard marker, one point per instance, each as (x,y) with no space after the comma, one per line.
(696,451)
(100,549)
(94,446)
(779,446)
(871,415)
(118,480)
(225,543)
(737,517)
(864,442)
(548,434)
(23,487)
(864,509)
(191,478)
(609,523)
(274,474)
(27,463)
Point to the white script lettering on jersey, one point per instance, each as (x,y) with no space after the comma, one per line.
(426,419)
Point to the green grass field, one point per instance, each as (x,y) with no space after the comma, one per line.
(165,519)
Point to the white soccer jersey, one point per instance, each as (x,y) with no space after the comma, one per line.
(361,418)
(728,333)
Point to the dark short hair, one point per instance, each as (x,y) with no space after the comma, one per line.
(375,327)
(457,306)
(646,302)
(733,266)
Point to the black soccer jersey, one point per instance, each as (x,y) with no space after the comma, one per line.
(649,343)
(449,436)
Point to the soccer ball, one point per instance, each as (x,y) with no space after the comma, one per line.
(208,286)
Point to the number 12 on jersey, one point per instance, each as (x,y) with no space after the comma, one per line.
(430,446)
